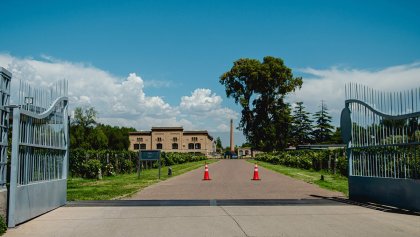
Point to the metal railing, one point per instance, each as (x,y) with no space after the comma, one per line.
(5,78)
(385,134)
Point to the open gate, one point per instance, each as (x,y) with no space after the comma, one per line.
(39,160)
(382,132)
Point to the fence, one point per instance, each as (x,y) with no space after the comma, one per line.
(383,136)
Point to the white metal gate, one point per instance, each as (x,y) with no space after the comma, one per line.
(38,178)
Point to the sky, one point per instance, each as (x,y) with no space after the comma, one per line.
(158,63)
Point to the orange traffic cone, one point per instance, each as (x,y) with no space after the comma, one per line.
(206,173)
(256,176)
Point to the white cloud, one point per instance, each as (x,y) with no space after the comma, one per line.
(328,84)
(119,101)
(201,100)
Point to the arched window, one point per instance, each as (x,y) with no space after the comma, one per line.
(191,146)
(159,146)
(136,146)
(174,146)
(198,146)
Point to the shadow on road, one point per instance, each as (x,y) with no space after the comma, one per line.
(370,205)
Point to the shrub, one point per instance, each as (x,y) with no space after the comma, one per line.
(3,226)
(308,159)
(90,168)
(127,166)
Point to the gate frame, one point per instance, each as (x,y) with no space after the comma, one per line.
(45,201)
(402,192)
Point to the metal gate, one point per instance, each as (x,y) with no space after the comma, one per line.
(383,136)
(40,139)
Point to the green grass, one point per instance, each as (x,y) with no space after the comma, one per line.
(331,182)
(122,185)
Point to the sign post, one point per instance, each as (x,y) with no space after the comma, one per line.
(153,155)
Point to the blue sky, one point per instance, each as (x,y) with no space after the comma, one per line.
(177,47)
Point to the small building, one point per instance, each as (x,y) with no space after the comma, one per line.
(172,139)
(247,152)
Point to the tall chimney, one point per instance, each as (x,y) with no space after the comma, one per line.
(232,147)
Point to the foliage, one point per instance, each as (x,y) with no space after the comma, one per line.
(323,128)
(3,226)
(86,133)
(91,169)
(336,137)
(301,126)
(111,162)
(172,158)
(260,88)
(309,160)
(219,145)
(84,163)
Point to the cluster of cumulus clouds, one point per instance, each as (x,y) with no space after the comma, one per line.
(328,85)
(123,101)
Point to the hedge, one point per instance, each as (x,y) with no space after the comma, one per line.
(327,160)
(93,163)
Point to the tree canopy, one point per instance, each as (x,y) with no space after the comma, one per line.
(323,128)
(260,88)
(301,131)
(87,133)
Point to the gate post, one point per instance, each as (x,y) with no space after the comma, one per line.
(14,165)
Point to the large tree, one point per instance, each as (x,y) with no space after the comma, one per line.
(323,128)
(301,129)
(260,88)
(86,133)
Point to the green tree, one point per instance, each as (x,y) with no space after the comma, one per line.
(97,139)
(86,133)
(301,129)
(336,137)
(260,88)
(323,128)
(81,126)
(219,146)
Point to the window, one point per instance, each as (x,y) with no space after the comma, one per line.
(159,139)
(198,146)
(159,146)
(191,146)
(194,139)
(174,146)
(175,139)
(142,146)
(139,139)
(136,146)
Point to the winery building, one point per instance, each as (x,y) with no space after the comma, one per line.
(172,139)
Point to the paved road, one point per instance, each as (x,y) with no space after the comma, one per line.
(288,208)
(341,220)
(231,179)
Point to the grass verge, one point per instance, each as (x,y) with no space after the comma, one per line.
(332,182)
(122,185)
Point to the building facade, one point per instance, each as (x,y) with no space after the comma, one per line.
(172,139)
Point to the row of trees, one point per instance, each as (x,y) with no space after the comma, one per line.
(87,133)
(260,88)
(305,130)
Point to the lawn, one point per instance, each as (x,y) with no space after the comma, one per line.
(115,187)
(331,181)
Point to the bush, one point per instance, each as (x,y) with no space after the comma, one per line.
(172,158)
(84,163)
(127,166)
(309,159)
(3,226)
(91,168)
